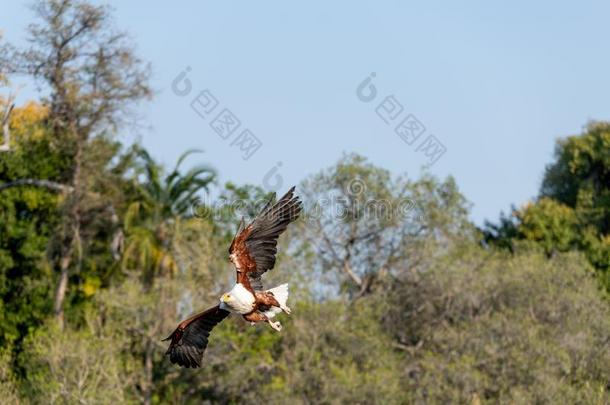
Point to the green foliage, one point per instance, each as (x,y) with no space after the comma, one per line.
(74,366)
(504,330)
(580,178)
(160,203)
(580,175)
(9,383)
(550,224)
(546,225)
(28,217)
(573,210)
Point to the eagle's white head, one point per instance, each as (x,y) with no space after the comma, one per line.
(238,300)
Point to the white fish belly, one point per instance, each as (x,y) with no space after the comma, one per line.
(281,295)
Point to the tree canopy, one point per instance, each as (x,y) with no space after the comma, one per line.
(572,211)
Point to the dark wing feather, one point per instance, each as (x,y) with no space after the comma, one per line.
(255,247)
(190,338)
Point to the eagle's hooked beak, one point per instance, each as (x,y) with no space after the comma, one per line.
(223,301)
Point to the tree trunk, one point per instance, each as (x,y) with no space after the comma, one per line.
(60,291)
(73,221)
(147,387)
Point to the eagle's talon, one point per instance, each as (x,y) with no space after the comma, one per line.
(275,325)
(287,310)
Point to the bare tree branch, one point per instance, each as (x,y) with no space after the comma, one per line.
(347,268)
(48,184)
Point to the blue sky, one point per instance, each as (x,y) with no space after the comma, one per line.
(495,83)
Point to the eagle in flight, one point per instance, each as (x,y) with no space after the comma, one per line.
(252,252)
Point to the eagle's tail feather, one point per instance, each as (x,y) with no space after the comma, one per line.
(281,295)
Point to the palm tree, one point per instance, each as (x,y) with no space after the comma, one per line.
(161,203)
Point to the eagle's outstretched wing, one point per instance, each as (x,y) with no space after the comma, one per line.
(253,249)
(190,338)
